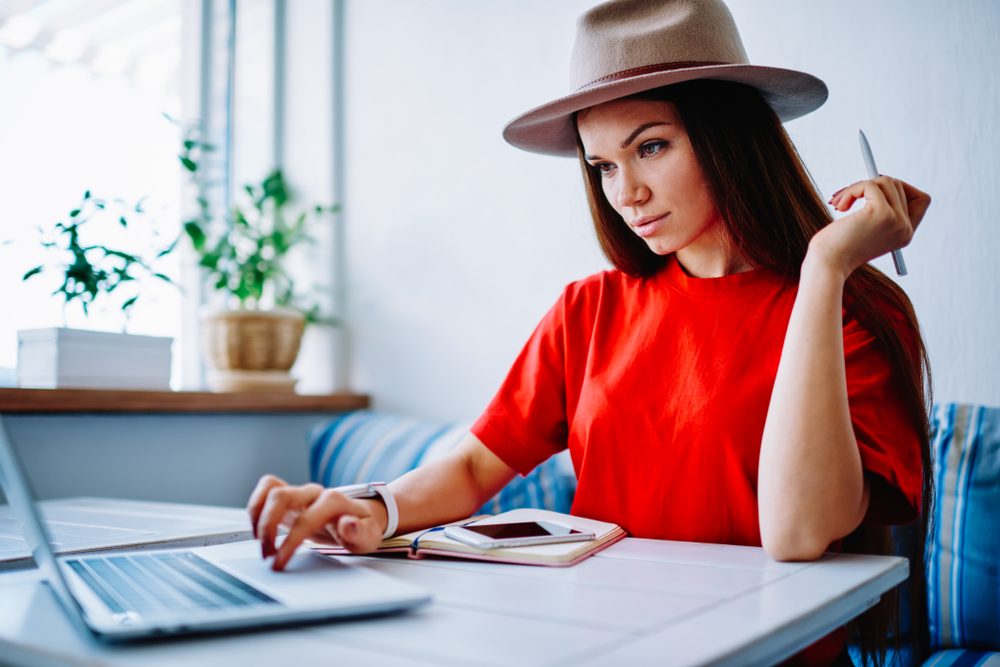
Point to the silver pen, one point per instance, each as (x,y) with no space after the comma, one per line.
(866,153)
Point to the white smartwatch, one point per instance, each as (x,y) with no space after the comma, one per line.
(374,490)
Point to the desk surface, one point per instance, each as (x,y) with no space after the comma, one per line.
(639,602)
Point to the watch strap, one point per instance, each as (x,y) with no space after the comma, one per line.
(373,490)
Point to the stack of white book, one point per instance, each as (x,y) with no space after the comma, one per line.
(58,358)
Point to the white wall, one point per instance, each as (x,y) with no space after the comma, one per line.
(458,243)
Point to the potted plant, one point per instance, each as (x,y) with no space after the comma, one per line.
(253,339)
(89,273)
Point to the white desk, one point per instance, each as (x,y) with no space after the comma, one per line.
(639,602)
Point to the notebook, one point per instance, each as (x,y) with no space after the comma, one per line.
(434,542)
(126,596)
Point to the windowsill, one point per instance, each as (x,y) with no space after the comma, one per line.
(136,401)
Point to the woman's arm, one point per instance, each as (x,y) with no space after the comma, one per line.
(447,490)
(811,485)
(811,488)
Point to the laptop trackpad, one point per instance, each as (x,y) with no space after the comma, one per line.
(307,576)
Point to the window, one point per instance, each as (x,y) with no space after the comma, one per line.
(86,86)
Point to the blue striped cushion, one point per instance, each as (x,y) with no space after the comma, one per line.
(963,658)
(963,577)
(364,446)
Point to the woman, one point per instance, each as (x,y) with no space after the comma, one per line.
(743,375)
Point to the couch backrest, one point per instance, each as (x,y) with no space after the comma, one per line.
(367,446)
(963,547)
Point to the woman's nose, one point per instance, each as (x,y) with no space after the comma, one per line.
(631,190)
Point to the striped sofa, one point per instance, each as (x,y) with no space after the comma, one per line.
(963,549)
(364,446)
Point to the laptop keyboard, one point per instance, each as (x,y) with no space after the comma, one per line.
(164,582)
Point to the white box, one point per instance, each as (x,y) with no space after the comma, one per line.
(59,358)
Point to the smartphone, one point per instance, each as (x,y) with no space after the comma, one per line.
(521,534)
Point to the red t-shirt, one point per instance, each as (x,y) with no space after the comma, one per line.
(660,386)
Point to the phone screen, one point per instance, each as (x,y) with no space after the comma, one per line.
(504,531)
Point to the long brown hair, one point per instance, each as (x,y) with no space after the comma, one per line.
(771,208)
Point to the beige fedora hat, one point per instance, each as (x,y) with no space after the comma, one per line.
(625,47)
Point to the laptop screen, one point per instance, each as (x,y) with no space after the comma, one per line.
(22,504)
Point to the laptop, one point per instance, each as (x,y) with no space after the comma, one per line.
(128,596)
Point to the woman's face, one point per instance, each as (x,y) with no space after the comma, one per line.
(651,177)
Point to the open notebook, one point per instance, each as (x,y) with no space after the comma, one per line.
(434,542)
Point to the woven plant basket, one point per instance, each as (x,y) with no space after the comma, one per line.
(253,340)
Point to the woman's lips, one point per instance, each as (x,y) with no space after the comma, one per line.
(648,226)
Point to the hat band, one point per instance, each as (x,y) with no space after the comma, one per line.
(649,69)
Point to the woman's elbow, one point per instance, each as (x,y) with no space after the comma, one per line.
(793,545)
(806,535)
(788,552)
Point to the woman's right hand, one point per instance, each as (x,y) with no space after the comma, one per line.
(307,510)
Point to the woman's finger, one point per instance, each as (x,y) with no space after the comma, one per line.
(917,202)
(898,225)
(359,534)
(259,495)
(279,502)
(903,208)
(870,191)
(844,199)
(328,507)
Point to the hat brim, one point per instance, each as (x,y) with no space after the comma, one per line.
(550,128)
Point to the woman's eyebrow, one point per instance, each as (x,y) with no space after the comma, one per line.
(639,130)
(635,133)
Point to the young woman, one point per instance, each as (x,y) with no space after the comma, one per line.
(742,375)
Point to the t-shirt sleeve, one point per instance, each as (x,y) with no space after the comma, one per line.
(525,423)
(886,436)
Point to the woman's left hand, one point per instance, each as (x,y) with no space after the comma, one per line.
(892,211)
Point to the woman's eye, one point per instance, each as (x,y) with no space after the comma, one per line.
(604,168)
(651,148)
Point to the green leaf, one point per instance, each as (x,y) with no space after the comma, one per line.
(196,234)
(32,272)
(189,164)
(164,278)
(242,291)
(189,144)
(75,212)
(86,194)
(130,302)
(128,257)
(210,261)
(122,221)
(169,249)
